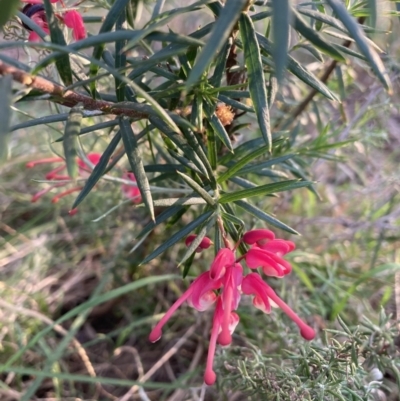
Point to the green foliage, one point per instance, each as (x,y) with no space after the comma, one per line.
(346,367)
(222,122)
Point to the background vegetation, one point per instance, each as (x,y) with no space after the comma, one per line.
(76,300)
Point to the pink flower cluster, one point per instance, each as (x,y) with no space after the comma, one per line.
(72,19)
(224,283)
(130,191)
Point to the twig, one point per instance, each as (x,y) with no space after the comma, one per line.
(159,363)
(280,124)
(65,97)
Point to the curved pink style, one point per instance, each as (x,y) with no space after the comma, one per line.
(209,375)
(199,295)
(253,285)
(54,175)
(232,281)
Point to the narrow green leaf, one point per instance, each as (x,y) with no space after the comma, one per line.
(312,50)
(218,128)
(219,35)
(180,142)
(235,104)
(194,200)
(120,58)
(178,236)
(98,170)
(95,127)
(358,35)
(255,73)
(243,182)
(197,188)
(196,145)
(70,138)
(5,114)
(212,147)
(272,89)
(57,37)
(8,9)
(321,17)
(233,219)
(315,37)
(239,229)
(280,26)
(161,218)
(242,163)
(162,20)
(188,264)
(350,52)
(260,214)
(111,18)
(373,12)
(264,190)
(136,163)
(297,69)
(185,162)
(303,276)
(196,116)
(167,52)
(80,378)
(220,64)
(255,168)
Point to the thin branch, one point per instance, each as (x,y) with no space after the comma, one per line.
(65,97)
(280,124)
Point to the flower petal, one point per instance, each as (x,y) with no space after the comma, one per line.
(259,236)
(253,285)
(202,296)
(257,257)
(204,244)
(73,19)
(225,257)
(279,246)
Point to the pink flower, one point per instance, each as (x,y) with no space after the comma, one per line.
(225,257)
(263,295)
(270,262)
(54,175)
(232,281)
(267,252)
(204,244)
(72,19)
(200,295)
(131,191)
(259,237)
(233,319)
(224,283)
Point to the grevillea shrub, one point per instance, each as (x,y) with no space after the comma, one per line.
(198,113)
